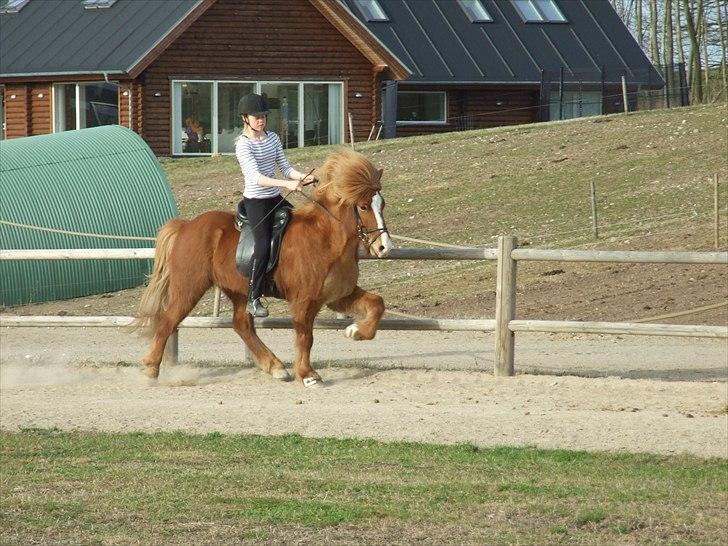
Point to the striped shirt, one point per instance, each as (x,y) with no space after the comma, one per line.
(260,157)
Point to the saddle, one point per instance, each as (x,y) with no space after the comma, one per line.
(244,253)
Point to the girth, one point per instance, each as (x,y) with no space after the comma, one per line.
(244,254)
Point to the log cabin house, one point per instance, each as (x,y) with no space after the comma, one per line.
(173,71)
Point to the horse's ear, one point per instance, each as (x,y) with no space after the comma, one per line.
(381,172)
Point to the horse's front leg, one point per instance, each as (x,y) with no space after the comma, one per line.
(303,315)
(362,304)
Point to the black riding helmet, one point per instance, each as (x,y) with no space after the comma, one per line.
(252,104)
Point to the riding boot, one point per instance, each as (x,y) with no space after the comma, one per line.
(255,307)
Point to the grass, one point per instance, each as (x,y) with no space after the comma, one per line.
(652,171)
(174,487)
(529,180)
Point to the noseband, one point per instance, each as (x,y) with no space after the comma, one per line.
(364,233)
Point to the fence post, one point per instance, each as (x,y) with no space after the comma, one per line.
(716,211)
(216,302)
(624,95)
(171,350)
(505,306)
(595,224)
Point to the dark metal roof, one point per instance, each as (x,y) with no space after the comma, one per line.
(438,42)
(50,37)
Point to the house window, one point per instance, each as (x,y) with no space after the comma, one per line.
(371,10)
(475,11)
(83,105)
(539,11)
(421,107)
(283,117)
(12,6)
(229,122)
(575,104)
(205,116)
(192,117)
(322,114)
(98,4)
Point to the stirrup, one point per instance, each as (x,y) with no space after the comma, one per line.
(257,309)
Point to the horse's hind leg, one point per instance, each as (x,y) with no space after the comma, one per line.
(245,328)
(361,303)
(182,301)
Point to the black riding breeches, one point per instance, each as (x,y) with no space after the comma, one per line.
(260,217)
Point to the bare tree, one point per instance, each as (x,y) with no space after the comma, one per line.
(667,34)
(654,49)
(693,19)
(680,48)
(640,34)
(722,31)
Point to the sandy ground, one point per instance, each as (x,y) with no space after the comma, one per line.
(638,394)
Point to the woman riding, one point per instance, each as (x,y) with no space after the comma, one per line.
(259,152)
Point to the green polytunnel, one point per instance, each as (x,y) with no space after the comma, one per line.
(92,188)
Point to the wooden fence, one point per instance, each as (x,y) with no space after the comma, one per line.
(504,326)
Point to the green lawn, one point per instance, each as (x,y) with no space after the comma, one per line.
(178,488)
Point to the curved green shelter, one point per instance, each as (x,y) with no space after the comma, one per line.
(93,188)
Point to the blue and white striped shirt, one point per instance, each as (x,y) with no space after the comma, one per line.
(260,157)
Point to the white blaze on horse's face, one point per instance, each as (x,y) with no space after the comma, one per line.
(383,245)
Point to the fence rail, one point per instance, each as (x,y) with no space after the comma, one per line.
(504,326)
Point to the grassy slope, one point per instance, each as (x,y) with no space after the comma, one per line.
(652,172)
(530,180)
(177,488)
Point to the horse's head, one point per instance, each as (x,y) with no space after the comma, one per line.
(371,226)
(350,178)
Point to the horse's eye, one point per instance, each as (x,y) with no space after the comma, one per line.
(363,207)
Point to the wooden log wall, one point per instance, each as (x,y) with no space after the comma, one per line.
(27,109)
(276,40)
(16,111)
(478,109)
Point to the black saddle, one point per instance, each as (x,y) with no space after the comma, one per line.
(244,254)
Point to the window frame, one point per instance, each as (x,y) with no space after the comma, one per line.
(176,121)
(98,4)
(12,6)
(78,117)
(424,122)
(536,6)
(364,7)
(474,18)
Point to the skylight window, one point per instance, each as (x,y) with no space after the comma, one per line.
(539,11)
(475,11)
(371,10)
(98,4)
(12,6)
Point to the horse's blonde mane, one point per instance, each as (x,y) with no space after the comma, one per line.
(348,176)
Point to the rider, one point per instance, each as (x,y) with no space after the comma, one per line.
(258,152)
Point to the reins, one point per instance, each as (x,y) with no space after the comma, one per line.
(361,232)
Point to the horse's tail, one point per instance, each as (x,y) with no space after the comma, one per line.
(154,299)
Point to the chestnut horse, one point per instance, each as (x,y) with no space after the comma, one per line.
(318,265)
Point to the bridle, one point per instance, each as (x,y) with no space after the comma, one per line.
(361,230)
(364,233)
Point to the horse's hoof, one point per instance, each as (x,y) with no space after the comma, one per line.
(352,331)
(281,374)
(151,372)
(312,383)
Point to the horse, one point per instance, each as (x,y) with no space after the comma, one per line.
(318,266)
